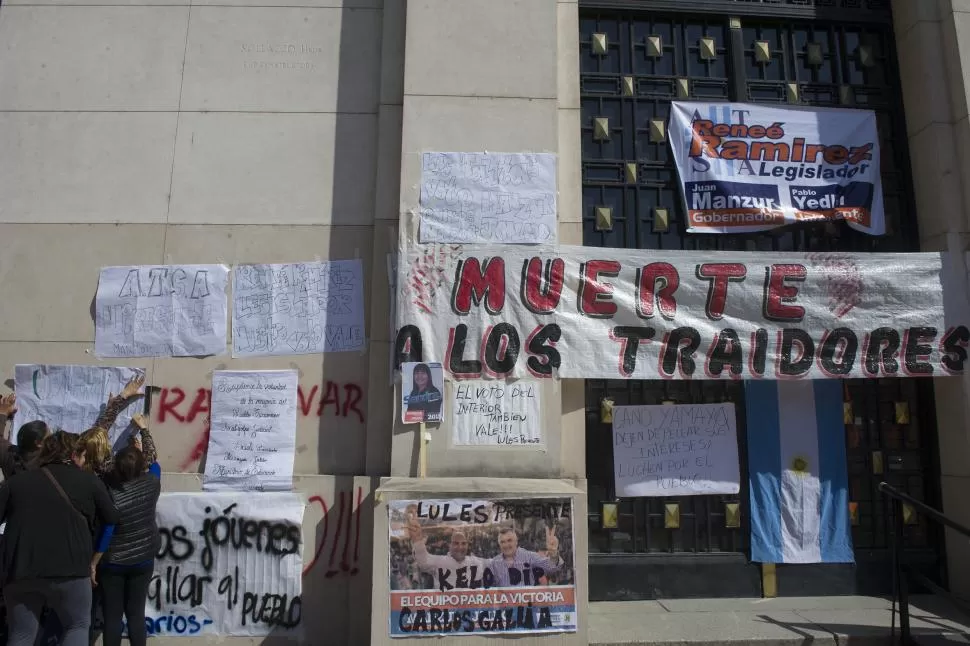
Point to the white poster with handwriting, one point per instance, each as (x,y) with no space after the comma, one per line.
(298,308)
(161,311)
(675,450)
(507,198)
(496,413)
(252,436)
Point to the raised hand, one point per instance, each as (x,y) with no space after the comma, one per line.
(552,541)
(415,533)
(8,405)
(133,387)
(140,420)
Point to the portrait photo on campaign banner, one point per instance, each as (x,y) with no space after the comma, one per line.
(422,385)
(481,566)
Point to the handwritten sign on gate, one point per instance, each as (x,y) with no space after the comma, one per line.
(230,563)
(496,413)
(675,450)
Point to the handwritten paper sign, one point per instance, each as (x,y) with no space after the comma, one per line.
(488,197)
(252,437)
(496,413)
(680,450)
(161,311)
(71,397)
(301,308)
(229,564)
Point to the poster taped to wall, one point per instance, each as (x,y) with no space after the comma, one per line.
(481,567)
(746,167)
(497,413)
(495,312)
(252,437)
(675,450)
(230,563)
(502,198)
(161,311)
(422,385)
(298,308)
(71,398)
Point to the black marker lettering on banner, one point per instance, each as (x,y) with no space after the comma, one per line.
(881,349)
(677,352)
(778,294)
(954,349)
(595,297)
(473,285)
(629,338)
(243,533)
(465,513)
(758,355)
(917,349)
(541,288)
(725,352)
(466,576)
(179,588)
(796,352)
(648,278)
(407,345)
(278,610)
(546,358)
(719,275)
(174,544)
(837,352)
(457,364)
(501,349)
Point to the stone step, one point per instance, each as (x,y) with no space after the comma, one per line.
(792,621)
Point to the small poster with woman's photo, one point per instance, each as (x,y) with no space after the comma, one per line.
(481,566)
(422,385)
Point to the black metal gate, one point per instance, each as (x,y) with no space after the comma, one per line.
(636,57)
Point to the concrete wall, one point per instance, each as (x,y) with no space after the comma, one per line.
(233,131)
(933,41)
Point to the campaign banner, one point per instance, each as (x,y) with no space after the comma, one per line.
(746,167)
(481,567)
(496,312)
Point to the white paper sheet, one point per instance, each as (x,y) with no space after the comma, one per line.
(676,450)
(505,198)
(161,311)
(252,436)
(71,397)
(300,308)
(230,564)
(496,413)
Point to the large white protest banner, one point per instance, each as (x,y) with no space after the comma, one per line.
(488,197)
(298,308)
(252,436)
(488,311)
(161,311)
(496,413)
(676,450)
(746,167)
(71,397)
(230,563)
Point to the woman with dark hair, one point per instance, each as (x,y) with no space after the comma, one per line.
(51,512)
(126,550)
(16,458)
(425,399)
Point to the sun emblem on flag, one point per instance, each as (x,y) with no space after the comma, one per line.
(799,465)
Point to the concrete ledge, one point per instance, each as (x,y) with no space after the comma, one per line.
(510,487)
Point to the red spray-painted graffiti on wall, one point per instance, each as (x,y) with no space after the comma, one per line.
(347,526)
(335,399)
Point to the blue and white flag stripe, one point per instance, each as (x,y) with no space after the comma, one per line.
(797,472)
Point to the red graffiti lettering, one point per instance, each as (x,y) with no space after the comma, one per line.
(346,532)
(166,407)
(340,399)
(199,449)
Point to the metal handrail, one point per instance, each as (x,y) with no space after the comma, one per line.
(900,571)
(923,508)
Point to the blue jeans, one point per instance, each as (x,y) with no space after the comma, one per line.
(70,599)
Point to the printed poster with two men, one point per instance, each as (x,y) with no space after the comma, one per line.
(462,566)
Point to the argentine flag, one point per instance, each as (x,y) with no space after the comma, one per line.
(797,472)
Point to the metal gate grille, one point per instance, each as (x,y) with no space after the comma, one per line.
(633,64)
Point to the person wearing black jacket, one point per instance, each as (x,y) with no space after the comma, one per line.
(126,551)
(51,513)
